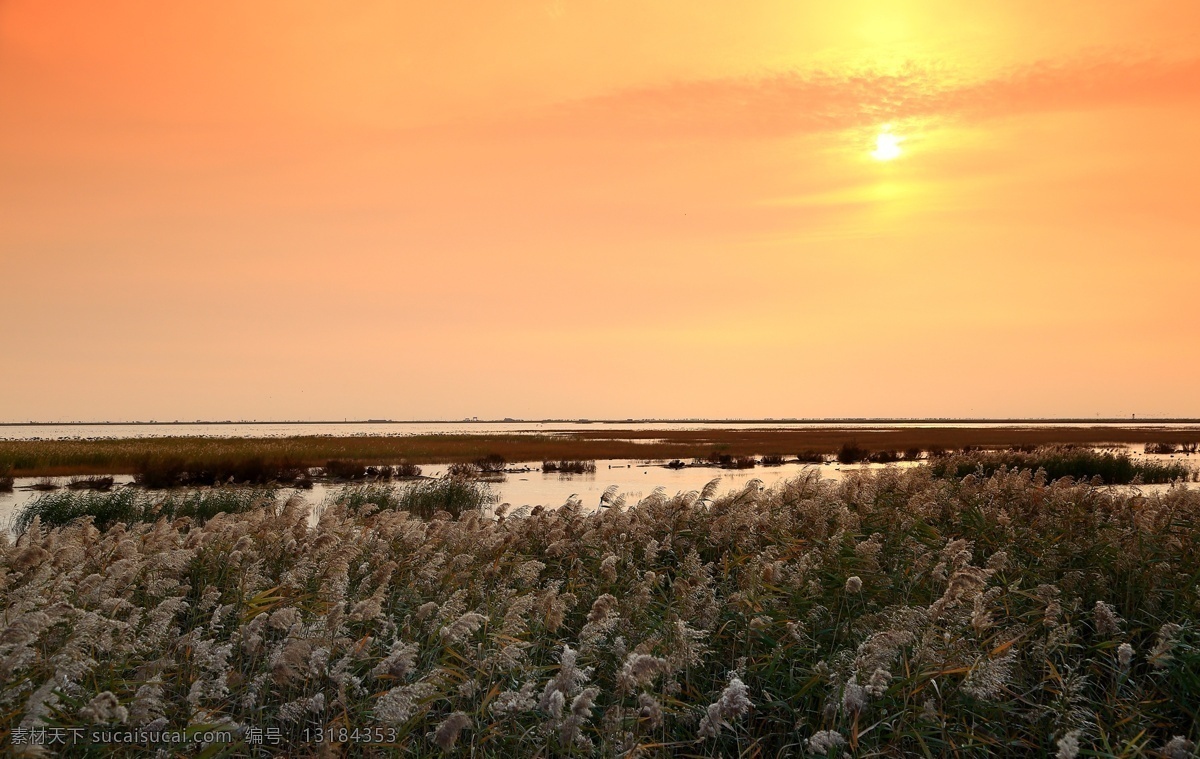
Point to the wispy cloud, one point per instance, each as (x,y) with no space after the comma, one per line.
(798,103)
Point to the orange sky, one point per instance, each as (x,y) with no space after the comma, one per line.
(602,208)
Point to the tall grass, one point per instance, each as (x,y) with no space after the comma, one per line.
(1167,448)
(890,614)
(452,495)
(493,463)
(729,461)
(90,483)
(172,471)
(336,469)
(356,498)
(344,471)
(423,498)
(852,453)
(406,470)
(1112,467)
(569,467)
(67,457)
(884,457)
(130,505)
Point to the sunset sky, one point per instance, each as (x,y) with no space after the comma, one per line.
(599,208)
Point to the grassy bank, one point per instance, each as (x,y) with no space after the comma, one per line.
(424,498)
(890,614)
(1112,468)
(277,457)
(128,506)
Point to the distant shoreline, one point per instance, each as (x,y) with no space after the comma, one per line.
(128,455)
(948,421)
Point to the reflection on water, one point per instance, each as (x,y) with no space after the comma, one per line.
(634,480)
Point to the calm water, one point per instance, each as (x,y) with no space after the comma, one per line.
(240,429)
(634,479)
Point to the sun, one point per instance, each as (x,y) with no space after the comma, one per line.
(887,146)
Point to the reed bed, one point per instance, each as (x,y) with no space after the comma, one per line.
(893,613)
(493,463)
(450,496)
(130,506)
(852,453)
(31,458)
(1170,448)
(1111,467)
(174,471)
(728,461)
(91,483)
(569,467)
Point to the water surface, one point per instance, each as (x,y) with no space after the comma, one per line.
(403,429)
(634,480)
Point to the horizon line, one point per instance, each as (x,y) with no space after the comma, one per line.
(628,420)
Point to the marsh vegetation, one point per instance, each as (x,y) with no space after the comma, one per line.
(1172,448)
(569,467)
(893,613)
(1109,467)
(258,460)
(129,506)
(96,482)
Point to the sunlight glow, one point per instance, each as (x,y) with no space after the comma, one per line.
(887,146)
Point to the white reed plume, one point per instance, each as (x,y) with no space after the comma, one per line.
(512,702)
(639,670)
(824,741)
(104,708)
(608,568)
(733,704)
(446,734)
(650,710)
(147,703)
(567,682)
(1068,746)
(398,663)
(1108,623)
(878,683)
(399,704)
(1179,748)
(300,709)
(581,712)
(854,697)
(988,678)
(1160,656)
(462,627)
(1124,656)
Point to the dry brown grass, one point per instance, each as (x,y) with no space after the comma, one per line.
(32,458)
